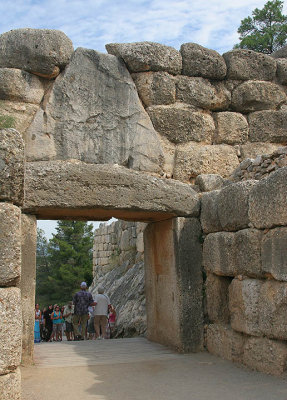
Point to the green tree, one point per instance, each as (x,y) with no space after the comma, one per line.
(266,30)
(42,268)
(69,261)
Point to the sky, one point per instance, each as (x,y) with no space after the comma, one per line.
(94,23)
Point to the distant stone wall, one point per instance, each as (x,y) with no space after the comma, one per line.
(244,256)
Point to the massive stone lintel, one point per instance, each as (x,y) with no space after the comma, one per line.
(75,189)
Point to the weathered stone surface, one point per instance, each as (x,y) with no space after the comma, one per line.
(192,159)
(232,254)
(203,94)
(224,342)
(147,56)
(268,126)
(252,150)
(268,356)
(10,385)
(155,87)
(272,309)
(110,126)
(40,51)
(104,190)
(233,205)
(209,182)
(16,115)
(20,86)
(281,53)
(257,95)
(209,215)
(217,298)
(282,70)
(268,201)
(10,244)
(180,123)
(11,166)
(244,301)
(28,284)
(274,253)
(231,128)
(168,149)
(200,61)
(10,329)
(248,64)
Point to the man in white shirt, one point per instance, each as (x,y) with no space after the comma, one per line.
(102,305)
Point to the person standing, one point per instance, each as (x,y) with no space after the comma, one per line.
(68,315)
(37,336)
(48,323)
(82,301)
(102,305)
(57,324)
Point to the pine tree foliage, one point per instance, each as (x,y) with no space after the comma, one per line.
(266,30)
(68,262)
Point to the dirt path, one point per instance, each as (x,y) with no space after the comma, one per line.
(135,369)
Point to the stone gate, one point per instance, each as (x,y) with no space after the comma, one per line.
(135,134)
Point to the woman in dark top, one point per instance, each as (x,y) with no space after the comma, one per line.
(48,323)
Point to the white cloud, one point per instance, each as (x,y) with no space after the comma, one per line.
(93,23)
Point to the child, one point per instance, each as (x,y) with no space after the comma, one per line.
(112,320)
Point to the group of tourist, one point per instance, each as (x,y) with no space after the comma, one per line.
(83,318)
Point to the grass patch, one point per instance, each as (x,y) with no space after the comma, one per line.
(6,122)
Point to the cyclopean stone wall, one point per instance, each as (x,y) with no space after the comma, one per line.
(244,256)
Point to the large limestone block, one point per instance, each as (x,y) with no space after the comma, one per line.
(147,56)
(40,51)
(10,385)
(209,182)
(10,329)
(94,114)
(272,310)
(244,305)
(268,126)
(268,356)
(181,124)
(10,244)
(257,95)
(17,115)
(109,189)
(11,166)
(203,94)
(192,159)
(268,201)
(252,150)
(281,53)
(233,205)
(209,215)
(217,298)
(224,342)
(200,61)
(232,254)
(231,128)
(20,85)
(155,87)
(248,64)
(274,253)
(282,70)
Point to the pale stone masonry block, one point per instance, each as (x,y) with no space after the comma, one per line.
(192,159)
(10,329)
(209,214)
(181,123)
(282,70)
(10,385)
(225,342)
(155,88)
(10,244)
(232,254)
(268,201)
(268,356)
(217,298)
(257,95)
(231,128)
(233,205)
(203,94)
(268,126)
(209,182)
(248,64)
(244,300)
(252,150)
(274,253)
(11,166)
